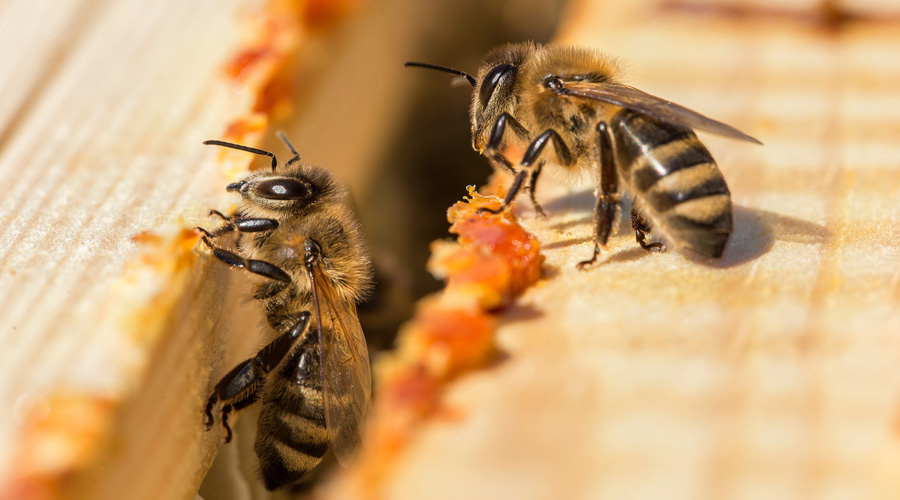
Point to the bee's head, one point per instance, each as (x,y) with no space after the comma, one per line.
(289,189)
(492,97)
(494,87)
(495,90)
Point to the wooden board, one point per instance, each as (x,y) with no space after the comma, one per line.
(110,322)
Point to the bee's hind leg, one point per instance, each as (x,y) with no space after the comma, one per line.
(641,228)
(241,387)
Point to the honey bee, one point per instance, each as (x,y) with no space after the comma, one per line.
(564,107)
(303,246)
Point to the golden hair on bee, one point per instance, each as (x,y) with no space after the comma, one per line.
(564,107)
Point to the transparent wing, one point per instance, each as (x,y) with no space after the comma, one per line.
(657,107)
(346,379)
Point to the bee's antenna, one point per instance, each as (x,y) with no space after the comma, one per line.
(445,69)
(290,146)
(248,149)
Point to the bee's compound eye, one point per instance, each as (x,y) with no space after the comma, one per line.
(282,189)
(491,80)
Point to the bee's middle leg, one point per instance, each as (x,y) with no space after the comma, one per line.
(532,182)
(607,198)
(533,162)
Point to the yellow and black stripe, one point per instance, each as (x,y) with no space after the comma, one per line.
(292,438)
(675,181)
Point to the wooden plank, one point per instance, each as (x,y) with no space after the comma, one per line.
(109,323)
(45,29)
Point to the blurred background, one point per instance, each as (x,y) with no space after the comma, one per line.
(400,136)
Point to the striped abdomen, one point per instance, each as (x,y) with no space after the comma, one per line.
(290,433)
(674,180)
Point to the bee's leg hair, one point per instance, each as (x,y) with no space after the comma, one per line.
(238,404)
(238,389)
(298,335)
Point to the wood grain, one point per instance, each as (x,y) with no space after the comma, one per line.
(108,321)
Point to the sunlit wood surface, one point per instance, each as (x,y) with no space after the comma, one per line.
(104,108)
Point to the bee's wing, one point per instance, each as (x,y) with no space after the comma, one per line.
(346,379)
(657,107)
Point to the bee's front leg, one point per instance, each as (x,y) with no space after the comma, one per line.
(496,141)
(533,163)
(493,152)
(239,224)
